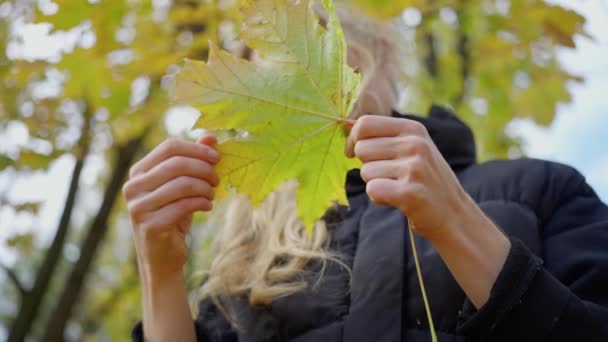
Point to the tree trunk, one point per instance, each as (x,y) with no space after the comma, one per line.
(33,297)
(464,51)
(430,60)
(71,292)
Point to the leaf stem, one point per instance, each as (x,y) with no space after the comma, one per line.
(348,122)
(427,307)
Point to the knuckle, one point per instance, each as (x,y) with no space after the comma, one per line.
(147,228)
(417,128)
(171,146)
(417,163)
(411,195)
(127,190)
(365,120)
(421,146)
(142,226)
(405,125)
(133,170)
(134,208)
(401,191)
(416,170)
(404,199)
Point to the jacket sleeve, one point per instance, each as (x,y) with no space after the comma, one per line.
(564,295)
(210,326)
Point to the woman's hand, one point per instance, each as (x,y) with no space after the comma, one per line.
(163,191)
(403,168)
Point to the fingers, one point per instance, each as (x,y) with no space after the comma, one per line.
(175,178)
(410,169)
(377,149)
(375,126)
(165,218)
(174,190)
(167,170)
(389,169)
(390,148)
(176,147)
(406,196)
(207,139)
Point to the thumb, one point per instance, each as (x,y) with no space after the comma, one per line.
(207,139)
(210,140)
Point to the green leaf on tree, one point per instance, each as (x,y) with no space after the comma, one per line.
(23,242)
(288,110)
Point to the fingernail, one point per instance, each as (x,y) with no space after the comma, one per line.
(215,181)
(347,152)
(214,156)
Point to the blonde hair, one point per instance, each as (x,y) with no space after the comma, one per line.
(262,253)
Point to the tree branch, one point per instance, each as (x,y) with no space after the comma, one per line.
(15,279)
(30,304)
(73,286)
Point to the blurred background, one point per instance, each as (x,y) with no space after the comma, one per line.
(82,97)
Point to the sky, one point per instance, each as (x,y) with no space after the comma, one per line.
(578,136)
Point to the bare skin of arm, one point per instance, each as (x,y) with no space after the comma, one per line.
(167,315)
(474,250)
(163,191)
(404,169)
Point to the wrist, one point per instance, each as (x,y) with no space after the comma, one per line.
(464,216)
(154,282)
(474,249)
(157,279)
(470,227)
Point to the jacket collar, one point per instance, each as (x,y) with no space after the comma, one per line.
(453,138)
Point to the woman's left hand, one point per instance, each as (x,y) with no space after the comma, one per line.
(403,168)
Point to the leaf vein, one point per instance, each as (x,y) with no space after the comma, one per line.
(279,104)
(281,152)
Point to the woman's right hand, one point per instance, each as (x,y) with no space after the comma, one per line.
(163,191)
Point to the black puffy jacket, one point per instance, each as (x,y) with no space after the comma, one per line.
(553,286)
